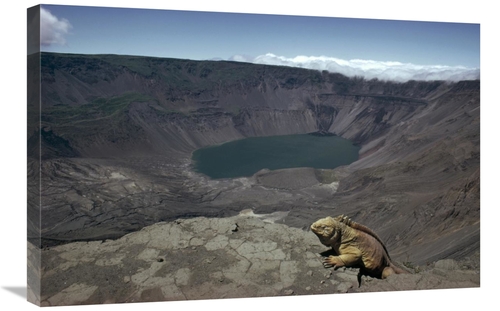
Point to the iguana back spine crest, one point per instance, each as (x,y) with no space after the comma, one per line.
(349,222)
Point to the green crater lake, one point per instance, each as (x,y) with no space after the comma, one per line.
(247,156)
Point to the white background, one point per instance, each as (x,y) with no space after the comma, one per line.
(13,152)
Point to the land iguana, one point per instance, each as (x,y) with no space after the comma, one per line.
(356,246)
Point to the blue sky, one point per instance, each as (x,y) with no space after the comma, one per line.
(388,49)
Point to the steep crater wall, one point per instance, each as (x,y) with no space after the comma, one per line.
(186,104)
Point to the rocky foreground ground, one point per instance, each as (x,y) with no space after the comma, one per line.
(209,258)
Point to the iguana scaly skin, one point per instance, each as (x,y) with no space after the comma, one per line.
(356,246)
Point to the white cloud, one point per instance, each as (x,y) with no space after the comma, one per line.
(368,69)
(52,29)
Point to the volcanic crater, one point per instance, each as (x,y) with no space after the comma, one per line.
(110,140)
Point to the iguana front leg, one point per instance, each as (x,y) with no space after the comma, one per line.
(333,261)
(344,260)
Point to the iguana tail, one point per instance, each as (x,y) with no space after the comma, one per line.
(398,270)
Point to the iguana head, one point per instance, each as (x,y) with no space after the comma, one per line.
(327,229)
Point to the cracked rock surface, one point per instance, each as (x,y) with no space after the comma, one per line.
(208,258)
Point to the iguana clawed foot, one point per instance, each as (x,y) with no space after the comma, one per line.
(333,261)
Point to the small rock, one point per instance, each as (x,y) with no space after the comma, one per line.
(446,264)
(308,288)
(322,282)
(288,292)
(344,287)
(310,273)
(234,228)
(126,279)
